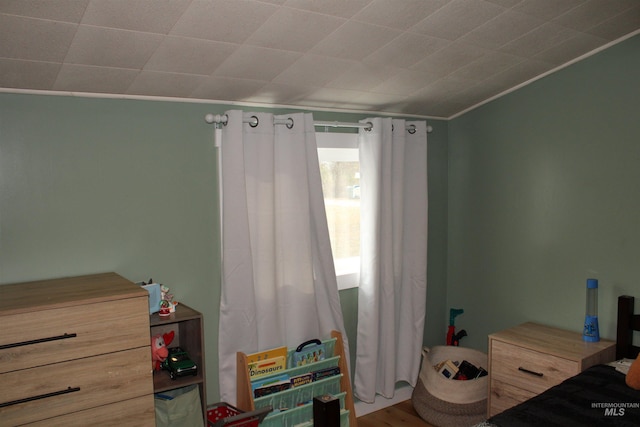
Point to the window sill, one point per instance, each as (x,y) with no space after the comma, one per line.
(347,281)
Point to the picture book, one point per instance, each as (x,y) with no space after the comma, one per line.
(303,379)
(267,362)
(267,367)
(325,373)
(309,352)
(262,382)
(267,354)
(270,389)
(270,385)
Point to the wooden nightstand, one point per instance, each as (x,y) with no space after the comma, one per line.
(528,359)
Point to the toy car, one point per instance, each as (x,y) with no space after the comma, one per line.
(179,364)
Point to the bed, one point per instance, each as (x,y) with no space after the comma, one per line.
(597,396)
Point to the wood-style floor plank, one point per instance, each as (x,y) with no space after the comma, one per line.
(401,415)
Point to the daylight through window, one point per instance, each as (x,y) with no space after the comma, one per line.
(340,172)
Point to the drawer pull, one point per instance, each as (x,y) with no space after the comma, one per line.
(537,374)
(38,341)
(41,396)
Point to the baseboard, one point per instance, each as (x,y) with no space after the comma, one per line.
(402,393)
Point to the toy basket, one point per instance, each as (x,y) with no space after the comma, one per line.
(224,415)
(444,402)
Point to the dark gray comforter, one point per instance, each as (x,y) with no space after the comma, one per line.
(596,397)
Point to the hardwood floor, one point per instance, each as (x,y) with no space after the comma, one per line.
(399,415)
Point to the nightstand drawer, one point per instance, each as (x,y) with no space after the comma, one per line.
(504,396)
(528,369)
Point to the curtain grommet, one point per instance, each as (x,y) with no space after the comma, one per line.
(289,123)
(254,122)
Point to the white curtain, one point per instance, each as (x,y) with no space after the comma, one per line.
(279,284)
(393,274)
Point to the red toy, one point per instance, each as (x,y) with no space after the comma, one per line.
(452,337)
(159,350)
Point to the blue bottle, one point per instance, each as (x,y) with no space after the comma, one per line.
(591,332)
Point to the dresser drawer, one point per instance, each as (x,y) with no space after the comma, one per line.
(55,335)
(138,412)
(72,386)
(528,369)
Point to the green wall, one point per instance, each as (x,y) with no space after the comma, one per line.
(544,192)
(89,185)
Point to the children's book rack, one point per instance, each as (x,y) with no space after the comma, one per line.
(295,405)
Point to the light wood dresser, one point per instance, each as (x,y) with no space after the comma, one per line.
(75,352)
(528,359)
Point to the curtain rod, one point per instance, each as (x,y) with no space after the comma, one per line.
(253,121)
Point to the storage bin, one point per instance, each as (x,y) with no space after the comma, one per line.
(179,407)
(447,402)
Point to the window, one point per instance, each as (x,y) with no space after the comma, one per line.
(340,173)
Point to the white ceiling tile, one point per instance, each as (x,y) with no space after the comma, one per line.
(546,9)
(471,95)
(593,12)
(466,95)
(226,89)
(355,40)
(190,56)
(618,26)
(457,18)
(94,79)
(370,99)
(104,46)
(506,3)
(405,50)
(405,82)
(141,15)
(447,108)
(329,98)
(60,10)
(518,74)
(538,40)
(444,88)
(501,30)
(433,57)
(570,49)
(295,30)
(447,60)
(227,21)
(313,70)
(341,8)
(153,83)
(27,38)
(362,77)
(413,107)
(256,63)
(487,65)
(390,13)
(279,94)
(17,73)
